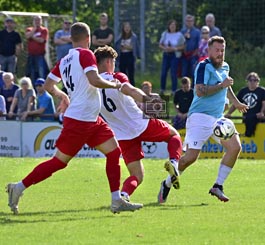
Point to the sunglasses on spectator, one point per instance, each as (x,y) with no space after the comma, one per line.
(205,32)
(253,80)
(67,22)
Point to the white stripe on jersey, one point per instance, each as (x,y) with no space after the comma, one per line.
(121,112)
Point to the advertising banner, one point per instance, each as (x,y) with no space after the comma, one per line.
(39,140)
(10,139)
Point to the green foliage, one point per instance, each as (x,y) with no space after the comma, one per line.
(242,24)
(72,206)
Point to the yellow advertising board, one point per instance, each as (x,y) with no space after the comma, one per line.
(252,147)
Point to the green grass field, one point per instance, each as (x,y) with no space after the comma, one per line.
(72,207)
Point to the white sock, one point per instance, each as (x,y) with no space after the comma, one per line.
(223,173)
(116,195)
(175,163)
(168,181)
(125,194)
(21,186)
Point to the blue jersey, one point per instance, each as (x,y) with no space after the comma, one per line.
(213,105)
(46,101)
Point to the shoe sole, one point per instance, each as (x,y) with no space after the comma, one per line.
(174,176)
(222,199)
(117,211)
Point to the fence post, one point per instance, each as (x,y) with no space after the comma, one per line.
(142,35)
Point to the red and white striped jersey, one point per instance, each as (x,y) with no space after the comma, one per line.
(121,112)
(84,98)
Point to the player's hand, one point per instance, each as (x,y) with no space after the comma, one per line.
(241,107)
(117,83)
(229,81)
(64,103)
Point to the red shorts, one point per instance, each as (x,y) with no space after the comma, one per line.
(156,131)
(76,133)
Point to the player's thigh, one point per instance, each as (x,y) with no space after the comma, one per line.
(102,137)
(157,131)
(199,128)
(131,150)
(72,137)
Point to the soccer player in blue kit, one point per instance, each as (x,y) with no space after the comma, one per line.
(212,86)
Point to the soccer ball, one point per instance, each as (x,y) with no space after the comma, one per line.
(224,128)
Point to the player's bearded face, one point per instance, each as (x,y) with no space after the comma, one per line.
(217,61)
(217,54)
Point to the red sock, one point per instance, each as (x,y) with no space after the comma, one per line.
(174,147)
(129,185)
(113,169)
(43,171)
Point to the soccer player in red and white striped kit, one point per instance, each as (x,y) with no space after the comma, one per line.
(82,123)
(132,127)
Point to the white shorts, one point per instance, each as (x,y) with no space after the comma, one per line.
(199,128)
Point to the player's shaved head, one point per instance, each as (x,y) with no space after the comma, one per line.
(79,31)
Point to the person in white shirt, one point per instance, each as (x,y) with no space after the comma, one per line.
(132,127)
(82,124)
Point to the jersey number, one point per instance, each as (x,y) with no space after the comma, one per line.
(69,83)
(108,102)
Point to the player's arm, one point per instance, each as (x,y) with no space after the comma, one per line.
(51,86)
(136,93)
(127,89)
(99,82)
(234,100)
(205,90)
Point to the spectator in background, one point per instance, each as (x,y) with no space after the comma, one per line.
(210,22)
(24,98)
(203,45)
(127,47)
(172,44)
(104,34)
(9,89)
(62,40)
(190,54)
(37,36)
(45,104)
(2,107)
(182,101)
(1,78)
(147,88)
(254,96)
(10,46)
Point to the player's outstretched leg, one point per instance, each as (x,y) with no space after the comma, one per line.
(14,194)
(122,205)
(172,168)
(217,190)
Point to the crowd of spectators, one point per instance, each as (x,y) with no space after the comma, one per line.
(182,49)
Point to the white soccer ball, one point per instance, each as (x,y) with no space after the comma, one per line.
(224,128)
